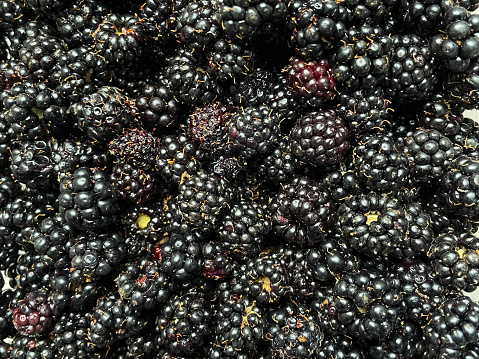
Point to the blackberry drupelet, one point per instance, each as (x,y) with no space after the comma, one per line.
(87,199)
(302,211)
(455,257)
(452,330)
(381,163)
(320,138)
(374,224)
(134,184)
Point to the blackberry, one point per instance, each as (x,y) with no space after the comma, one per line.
(278,166)
(437,114)
(243,227)
(454,257)
(320,138)
(452,329)
(230,61)
(367,12)
(251,18)
(136,147)
(104,114)
(95,256)
(182,326)
(120,39)
(316,26)
(430,154)
(374,224)
(292,331)
(462,88)
(302,211)
(32,165)
(422,292)
(255,89)
(188,80)
(134,184)
(87,199)
(423,17)
(157,107)
(29,30)
(180,257)
(380,163)
(457,47)
(338,346)
(459,186)
(146,221)
(201,198)
(412,74)
(217,263)
(368,303)
(362,61)
(441,219)
(45,7)
(178,156)
(312,81)
(342,183)
(253,131)
(34,314)
(467,138)
(36,348)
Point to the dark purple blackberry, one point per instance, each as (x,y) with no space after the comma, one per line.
(94,256)
(380,163)
(183,326)
(207,125)
(238,328)
(230,61)
(455,259)
(178,156)
(268,278)
(87,199)
(32,165)
(412,74)
(316,26)
(368,303)
(35,314)
(302,211)
(292,331)
(217,263)
(278,166)
(430,154)
(188,80)
(202,197)
(312,80)
(462,87)
(121,39)
(253,131)
(460,186)
(250,18)
(320,138)
(457,47)
(362,59)
(136,147)
(104,114)
(374,224)
(157,107)
(145,285)
(134,184)
(422,292)
(452,329)
(242,228)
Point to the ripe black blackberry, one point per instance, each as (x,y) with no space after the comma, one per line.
(201,198)
(458,46)
(121,39)
(9,189)
(339,346)
(134,184)
(293,331)
(251,18)
(217,263)
(381,163)
(459,185)
(455,257)
(35,348)
(368,303)
(438,114)
(280,165)
(87,199)
(183,325)
(242,228)
(146,221)
(452,329)
(230,61)
(422,17)
(104,114)
(442,221)
(430,154)
(320,138)
(32,165)
(316,26)
(302,211)
(466,140)
(374,224)
(28,30)
(362,59)
(188,80)
(412,71)
(462,88)
(342,182)
(254,89)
